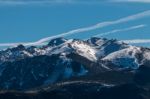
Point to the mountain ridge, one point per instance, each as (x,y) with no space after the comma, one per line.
(24,68)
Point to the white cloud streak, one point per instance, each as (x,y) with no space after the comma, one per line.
(50,2)
(86,29)
(121,30)
(41,2)
(47,2)
(34,2)
(132,1)
(136,41)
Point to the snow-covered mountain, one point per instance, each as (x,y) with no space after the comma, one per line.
(93,49)
(28,67)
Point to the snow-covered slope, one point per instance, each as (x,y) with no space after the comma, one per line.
(84,49)
(127,57)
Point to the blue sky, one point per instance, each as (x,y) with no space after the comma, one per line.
(31,20)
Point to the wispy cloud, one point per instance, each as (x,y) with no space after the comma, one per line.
(47,2)
(131,1)
(136,41)
(120,30)
(34,2)
(86,29)
(99,25)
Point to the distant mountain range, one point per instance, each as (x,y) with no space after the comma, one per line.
(73,69)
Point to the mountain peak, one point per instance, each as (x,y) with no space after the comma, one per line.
(19,47)
(57,41)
